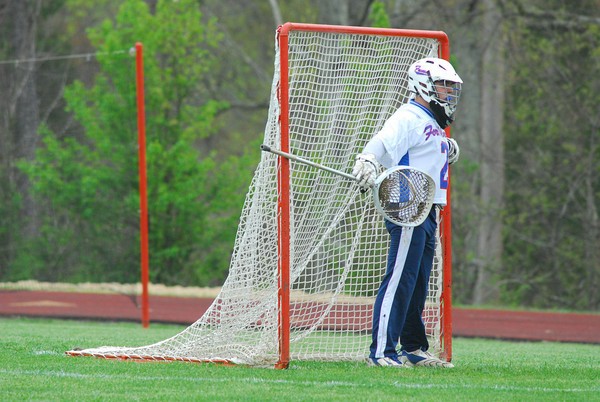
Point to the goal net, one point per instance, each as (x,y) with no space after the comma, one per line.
(311,249)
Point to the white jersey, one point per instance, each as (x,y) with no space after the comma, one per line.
(412,137)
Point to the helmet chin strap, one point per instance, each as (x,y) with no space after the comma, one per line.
(440,114)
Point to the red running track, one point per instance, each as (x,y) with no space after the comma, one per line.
(497,324)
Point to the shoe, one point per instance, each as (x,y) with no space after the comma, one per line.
(422,358)
(386,362)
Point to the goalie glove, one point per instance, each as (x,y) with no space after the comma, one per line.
(365,170)
(453,151)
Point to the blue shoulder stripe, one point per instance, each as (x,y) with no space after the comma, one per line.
(414,102)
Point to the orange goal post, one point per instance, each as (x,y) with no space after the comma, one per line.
(311,249)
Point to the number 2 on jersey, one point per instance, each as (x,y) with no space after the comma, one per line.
(444,171)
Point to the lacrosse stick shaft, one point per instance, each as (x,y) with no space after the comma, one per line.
(295,158)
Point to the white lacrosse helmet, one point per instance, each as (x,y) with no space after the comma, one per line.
(422,78)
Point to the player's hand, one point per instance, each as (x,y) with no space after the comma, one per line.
(453,151)
(365,170)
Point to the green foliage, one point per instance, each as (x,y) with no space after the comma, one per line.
(91,184)
(378,16)
(552,231)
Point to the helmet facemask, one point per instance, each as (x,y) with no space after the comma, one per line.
(443,100)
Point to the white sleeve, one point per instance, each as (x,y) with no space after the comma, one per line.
(375,146)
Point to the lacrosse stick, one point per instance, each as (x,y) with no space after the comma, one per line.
(402,194)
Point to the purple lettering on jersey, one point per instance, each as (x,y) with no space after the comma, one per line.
(432,131)
(421,71)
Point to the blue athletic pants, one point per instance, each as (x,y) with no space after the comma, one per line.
(398,308)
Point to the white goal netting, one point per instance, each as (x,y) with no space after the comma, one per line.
(342,88)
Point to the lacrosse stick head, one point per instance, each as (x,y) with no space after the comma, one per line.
(404,195)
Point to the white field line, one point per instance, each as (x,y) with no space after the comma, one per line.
(322,384)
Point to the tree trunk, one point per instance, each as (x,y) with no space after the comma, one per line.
(592,227)
(24,102)
(344,12)
(276,12)
(491,155)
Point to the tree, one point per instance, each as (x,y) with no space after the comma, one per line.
(18,136)
(552,236)
(491,153)
(91,184)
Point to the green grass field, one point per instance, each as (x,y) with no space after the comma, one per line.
(34,367)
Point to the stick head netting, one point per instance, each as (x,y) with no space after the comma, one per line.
(404,195)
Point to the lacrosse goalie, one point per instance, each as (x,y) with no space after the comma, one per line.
(413,136)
